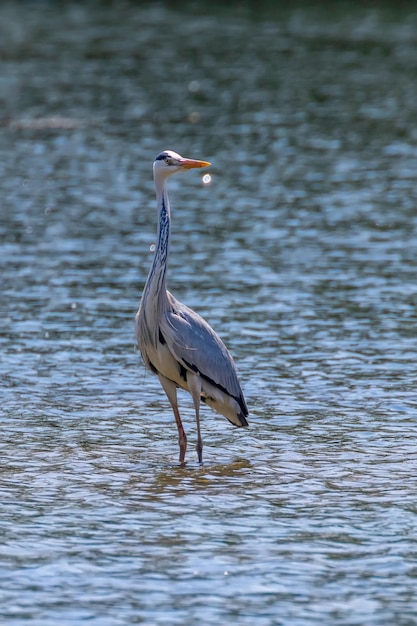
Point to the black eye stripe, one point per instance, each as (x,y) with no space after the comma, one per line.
(161,156)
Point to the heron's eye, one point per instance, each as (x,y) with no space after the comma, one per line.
(169,161)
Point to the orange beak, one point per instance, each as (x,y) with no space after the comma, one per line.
(188,164)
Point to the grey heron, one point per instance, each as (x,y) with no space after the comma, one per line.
(176,343)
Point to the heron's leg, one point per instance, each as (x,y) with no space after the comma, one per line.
(194,385)
(170,389)
(182,437)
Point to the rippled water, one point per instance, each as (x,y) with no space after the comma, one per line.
(301,254)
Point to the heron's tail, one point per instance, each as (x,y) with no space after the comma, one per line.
(243,420)
(230,409)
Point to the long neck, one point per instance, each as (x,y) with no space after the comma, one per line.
(155,287)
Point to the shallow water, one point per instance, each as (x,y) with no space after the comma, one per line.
(301,253)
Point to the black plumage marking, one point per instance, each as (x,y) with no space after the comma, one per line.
(161,338)
(190,366)
(152,366)
(183,372)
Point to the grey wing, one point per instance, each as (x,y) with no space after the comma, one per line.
(198,348)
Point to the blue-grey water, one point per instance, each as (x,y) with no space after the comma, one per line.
(301,252)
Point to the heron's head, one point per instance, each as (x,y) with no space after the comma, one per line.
(169,162)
